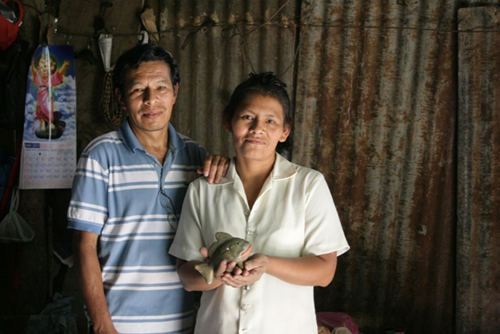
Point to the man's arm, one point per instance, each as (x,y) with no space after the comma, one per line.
(90,280)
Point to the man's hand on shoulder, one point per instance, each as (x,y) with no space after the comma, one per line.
(214,168)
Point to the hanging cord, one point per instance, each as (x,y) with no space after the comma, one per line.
(113,114)
(14,173)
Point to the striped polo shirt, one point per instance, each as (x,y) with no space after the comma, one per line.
(124,195)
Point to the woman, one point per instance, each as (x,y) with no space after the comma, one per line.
(284,210)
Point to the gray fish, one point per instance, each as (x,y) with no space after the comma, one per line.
(228,248)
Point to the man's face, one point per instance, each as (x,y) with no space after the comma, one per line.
(148,96)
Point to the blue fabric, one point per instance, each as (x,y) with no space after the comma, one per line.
(122,193)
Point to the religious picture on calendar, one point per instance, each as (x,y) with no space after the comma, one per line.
(51,93)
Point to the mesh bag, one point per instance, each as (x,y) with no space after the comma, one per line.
(13,227)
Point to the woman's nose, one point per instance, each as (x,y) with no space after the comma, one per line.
(257,125)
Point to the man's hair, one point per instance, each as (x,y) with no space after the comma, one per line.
(134,57)
(266,84)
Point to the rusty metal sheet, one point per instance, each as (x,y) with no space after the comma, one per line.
(478,232)
(375,113)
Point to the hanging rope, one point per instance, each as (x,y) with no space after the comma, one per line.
(113,114)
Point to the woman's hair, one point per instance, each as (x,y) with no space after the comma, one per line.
(134,57)
(266,84)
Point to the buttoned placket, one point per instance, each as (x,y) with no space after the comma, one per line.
(247,302)
(162,170)
(247,307)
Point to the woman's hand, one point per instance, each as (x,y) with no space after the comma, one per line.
(255,266)
(225,267)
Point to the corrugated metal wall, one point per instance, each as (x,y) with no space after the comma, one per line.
(376,114)
(375,84)
(478,242)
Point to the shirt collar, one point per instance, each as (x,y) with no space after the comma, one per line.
(130,140)
(282,170)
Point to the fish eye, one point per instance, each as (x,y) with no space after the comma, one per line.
(227,248)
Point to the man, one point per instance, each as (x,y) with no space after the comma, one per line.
(127,195)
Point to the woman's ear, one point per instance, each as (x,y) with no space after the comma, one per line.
(286,132)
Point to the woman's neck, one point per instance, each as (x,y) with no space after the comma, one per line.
(253,175)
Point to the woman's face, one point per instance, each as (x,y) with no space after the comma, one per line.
(257,127)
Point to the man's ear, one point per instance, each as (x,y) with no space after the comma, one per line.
(176,90)
(119,98)
(227,125)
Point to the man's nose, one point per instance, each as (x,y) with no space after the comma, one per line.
(148,95)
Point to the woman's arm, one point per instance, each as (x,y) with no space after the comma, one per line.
(307,270)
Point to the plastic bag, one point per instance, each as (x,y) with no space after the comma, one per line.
(13,227)
(11,17)
(338,322)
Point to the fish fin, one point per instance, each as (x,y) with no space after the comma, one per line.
(221,237)
(206,270)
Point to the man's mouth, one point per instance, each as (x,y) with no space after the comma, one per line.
(151,114)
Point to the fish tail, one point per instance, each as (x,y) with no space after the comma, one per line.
(206,270)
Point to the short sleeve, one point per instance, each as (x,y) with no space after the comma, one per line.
(188,237)
(324,233)
(88,208)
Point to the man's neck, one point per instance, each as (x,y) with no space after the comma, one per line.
(155,142)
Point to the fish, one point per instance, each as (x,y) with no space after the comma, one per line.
(226,247)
